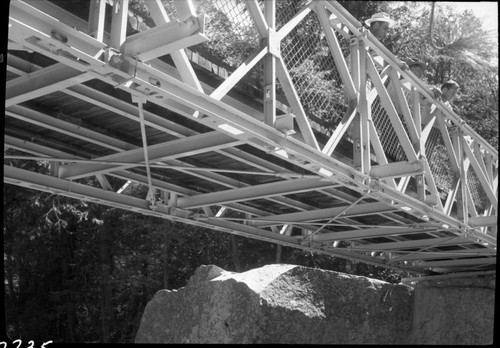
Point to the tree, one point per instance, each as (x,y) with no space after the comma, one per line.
(465,55)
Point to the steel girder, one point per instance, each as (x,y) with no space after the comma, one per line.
(300,166)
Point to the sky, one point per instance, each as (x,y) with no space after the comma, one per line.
(484,10)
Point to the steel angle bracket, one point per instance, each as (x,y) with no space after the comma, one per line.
(374,185)
(32,26)
(172,211)
(165,38)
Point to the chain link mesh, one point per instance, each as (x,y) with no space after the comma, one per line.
(233,38)
(388,137)
(312,68)
(477,192)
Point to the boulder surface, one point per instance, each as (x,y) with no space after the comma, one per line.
(279,304)
(454,311)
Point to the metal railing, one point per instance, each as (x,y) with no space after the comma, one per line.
(321,90)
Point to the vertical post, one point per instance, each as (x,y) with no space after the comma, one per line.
(356,138)
(463,174)
(119,23)
(361,135)
(417,118)
(353,65)
(354,62)
(270,65)
(54,169)
(488,162)
(97,14)
(420,187)
(420,145)
(455,134)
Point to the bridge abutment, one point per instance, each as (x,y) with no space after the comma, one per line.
(295,304)
(454,310)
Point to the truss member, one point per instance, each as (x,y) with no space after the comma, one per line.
(418,68)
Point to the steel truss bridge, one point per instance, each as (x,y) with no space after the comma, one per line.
(99,91)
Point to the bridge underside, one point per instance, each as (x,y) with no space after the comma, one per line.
(108,100)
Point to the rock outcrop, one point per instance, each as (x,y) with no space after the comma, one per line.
(279,304)
(453,311)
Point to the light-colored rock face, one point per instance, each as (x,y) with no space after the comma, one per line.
(294,304)
(279,304)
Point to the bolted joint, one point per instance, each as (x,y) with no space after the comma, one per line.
(273,42)
(179,212)
(374,185)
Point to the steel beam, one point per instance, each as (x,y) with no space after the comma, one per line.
(41,182)
(398,85)
(127,110)
(179,57)
(294,101)
(370,233)
(119,22)
(164,39)
(320,214)
(259,134)
(339,131)
(40,119)
(35,31)
(97,15)
(103,100)
(42,82)
(54,185)
(436,255)
(24,18)
(258,17)
(396,169)
(296,19)
(419,244)
(253,192)
(336,52)
(159,152)
(491,220)
(34,148)
(391,111)
(388,57)
(294,242)
(463,262)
